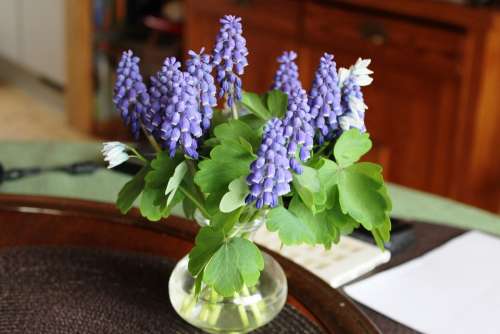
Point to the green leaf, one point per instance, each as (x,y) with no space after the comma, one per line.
(307,185)
(222,273)
(328,178)
(291,230)
(162,168)
(254,122)
(212,202)
(374,172)
(250,261)
(154,203)
(324,232)
(235,263)
(188,207)
(345,223)
(207,242)
(150,204)
(175,180)
(382,234)
(351,146)
(228,161)
(235,197)
(197,284)
(253,103)
(234,130)
(277,102)
(361,197)
(246,145)
(225,221)
(131,190)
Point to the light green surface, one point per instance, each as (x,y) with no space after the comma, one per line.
(104,185)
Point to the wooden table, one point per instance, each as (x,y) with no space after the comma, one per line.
(28,220)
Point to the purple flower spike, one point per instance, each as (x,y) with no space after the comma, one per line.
(131,97)
(200,68)
(324,98)
(230,58)
(270,174)
(174,118)
(286,78)
(352,102)
(298,129)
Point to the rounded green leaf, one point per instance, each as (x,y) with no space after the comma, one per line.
(351,146)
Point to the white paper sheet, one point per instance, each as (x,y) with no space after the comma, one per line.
(452,289)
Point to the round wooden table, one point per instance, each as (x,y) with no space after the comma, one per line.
(29,221)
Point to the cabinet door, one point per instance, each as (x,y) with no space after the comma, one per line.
(9,29)
(415,90)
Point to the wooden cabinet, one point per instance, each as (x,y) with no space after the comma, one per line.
(433,104)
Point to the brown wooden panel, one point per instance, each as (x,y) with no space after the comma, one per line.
(437,49)
(281,15)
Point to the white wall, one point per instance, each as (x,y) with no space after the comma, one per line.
(32,34)
(9,29)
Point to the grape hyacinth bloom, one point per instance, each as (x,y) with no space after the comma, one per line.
(174,109)
(324,98)
(352,102)
(130,97)
(298,129)
(230,58)
(270,174)
(200,68)
(115,153)
(286,78)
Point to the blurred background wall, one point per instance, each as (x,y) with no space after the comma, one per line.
(433,107)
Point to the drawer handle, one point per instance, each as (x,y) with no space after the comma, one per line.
(373,32)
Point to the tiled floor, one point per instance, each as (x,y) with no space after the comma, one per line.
(23,116)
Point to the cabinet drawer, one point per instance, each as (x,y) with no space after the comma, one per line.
(333,26)
(278,15)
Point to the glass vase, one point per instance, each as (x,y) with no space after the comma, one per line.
(250,308)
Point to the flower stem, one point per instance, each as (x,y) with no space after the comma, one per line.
(194,200)
(137,154)
(254,307)
(151,140)
(235,110)
(242,312)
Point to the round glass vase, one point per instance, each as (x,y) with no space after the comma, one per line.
(250,308)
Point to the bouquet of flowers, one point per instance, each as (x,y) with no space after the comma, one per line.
(287,157)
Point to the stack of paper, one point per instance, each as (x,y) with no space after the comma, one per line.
(452,289)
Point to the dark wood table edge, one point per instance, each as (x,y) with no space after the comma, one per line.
(322,301)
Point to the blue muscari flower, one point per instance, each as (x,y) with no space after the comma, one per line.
(297,128)
(200,68)
(270,174)
(324,98)
(230,58)
(286,78)
(130,97)
(174,118)
(352,102)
